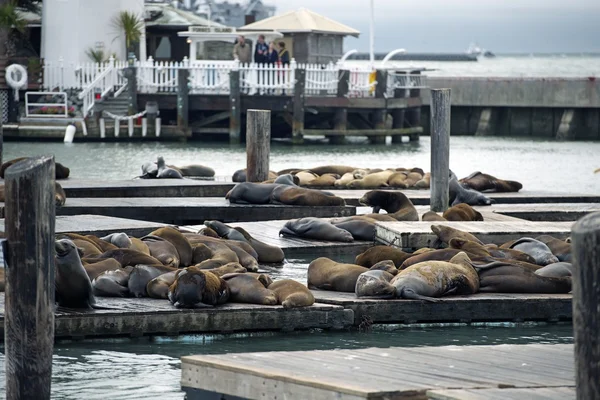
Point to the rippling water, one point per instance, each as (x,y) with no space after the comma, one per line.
(538,164)
(123,369)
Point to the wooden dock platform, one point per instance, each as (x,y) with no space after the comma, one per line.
(543,211)
(487,307)
(378,373)
(554,393)
(192,210)
(418,234)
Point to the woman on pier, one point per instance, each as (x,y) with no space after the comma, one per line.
(284,55)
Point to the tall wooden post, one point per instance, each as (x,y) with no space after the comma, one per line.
(258,145)
(585,236)
(298,117)
(440,149)
(235,106)
(183,98)
(131,74)
(340,116)
(1,141)
(398,113)
(412,116)
(29,259)
(380,114)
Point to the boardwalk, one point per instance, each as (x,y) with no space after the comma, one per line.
(378,373)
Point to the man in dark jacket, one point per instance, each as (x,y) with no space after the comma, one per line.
(261,50)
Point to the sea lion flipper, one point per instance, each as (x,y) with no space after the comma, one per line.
(411,294)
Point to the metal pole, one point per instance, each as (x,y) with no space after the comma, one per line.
(372,34)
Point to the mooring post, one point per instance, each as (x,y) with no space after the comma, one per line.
(130,74)
(340,115)
(258,145)
(585,244)
(398,113)
(298,117)
(183,98)
(380,114)
(1,141)
(235,106)
(412,116)
(440,149)
(29,292)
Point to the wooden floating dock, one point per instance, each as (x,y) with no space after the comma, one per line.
(418,234)
(379,373)
(192,210)
(554,393)
(488,307)
(543,212)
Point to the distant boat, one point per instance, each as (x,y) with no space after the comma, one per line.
(475,50)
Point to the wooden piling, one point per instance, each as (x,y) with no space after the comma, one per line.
(258,145)
(585,236)
(131,74)
(380,114)
(340,116)
(298,117)
(412,116)
(183,98)
(1,141)
(29,258)
(398,113)
(440,149)
(235,105)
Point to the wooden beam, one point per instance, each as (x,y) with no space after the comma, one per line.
(363,132)
(298,123)
(204,131)
(183,101)
(212,119)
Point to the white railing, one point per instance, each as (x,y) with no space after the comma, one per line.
(103,84)
(46,105)
(398,80)
(267,78)
(361,82)
(210,77)
(157,76)
(321,80)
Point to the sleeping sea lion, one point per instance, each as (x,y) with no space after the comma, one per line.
(459,194)
(332,169)
(142,274)
(325,180)
(315,228)
(245,288)
(95,269)
(425,182)
(398,180)
(433,255)
(462,212)
(375,284)
(112,283)
(446,233)
(297,196)
(177,239)
(197,170)
(372,180)
(240,175)
(501,277)
(196,288)
(395,203)
(387,266)
(475,248)
(120,239)
(536,249)
(560,248)
(360,229)
(375,254)
(60,171)
(431,216)
(344,180)
(292,294)
(165,172)
(326,274)
(126,257)
(87,248)
(158,288)
(231,268)
(251,193)
(73,288)
(305,176)
(557,270)
(162,250)
(431,279)
(482,182)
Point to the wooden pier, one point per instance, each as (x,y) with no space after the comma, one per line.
(382,373)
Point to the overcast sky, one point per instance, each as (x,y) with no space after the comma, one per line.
(502,26)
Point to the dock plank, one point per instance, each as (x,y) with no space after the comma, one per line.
(488,307)
(554,393)
(418,234)
(543,212)
(376,373)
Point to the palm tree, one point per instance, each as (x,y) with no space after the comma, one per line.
(129,23)
(10,21)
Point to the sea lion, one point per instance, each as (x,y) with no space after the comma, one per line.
(433,255)
(501,277)
(375,254)
(165,172)
(387,266)
(477,249)
(241,176)
(560,248)
(95,269)
(425,182)
(149,170)
(73,288)
(344,180)
(305,176)
(101,244)
(196,288)
(60,171)
(332,169)
(459,194)
(422,250)
(325,180)
(431,279)
(482,182)
(371,181)
(142,274)
(231,268)
(398,180)
(557,270)
(297,196)
(60,197)
(208,232)
(360,229)
(395,203)
(197,170)
(432,216)
(292,294)
(162,250)
(315,228)
(326,274)
(536,249)
(462,212)
(247,289)
(375,284)
(252,193)
(112,283)
(87,249)
(158,288)
(177,239)
(120,239)
(412,178)
(446,233)
(220,253)
(127,257)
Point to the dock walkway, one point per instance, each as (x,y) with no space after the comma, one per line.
(380,373)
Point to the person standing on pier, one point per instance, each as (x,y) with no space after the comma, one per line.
(272,57)
(284,55)
(242,51)
(260,53)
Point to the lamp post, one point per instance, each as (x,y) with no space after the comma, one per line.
(372,34)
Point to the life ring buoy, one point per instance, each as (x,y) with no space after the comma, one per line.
(12,82)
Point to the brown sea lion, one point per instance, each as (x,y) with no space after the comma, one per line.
(431,279)
(208,232)
(344,180)
(315,228)
(395,203)
(158,288)
(95,269)
(536,249)
(476,248)
(73,288)
(375,254)
(292,294)
(557,270)
(385,265)
(223,252)
(432,216)
(360,229)
(196,170)
(101,244)
(398,180)
(434,255)
(231,268)
(372,181)
(163,250)
(112,283)
(247,289)
(142,274)
(421,251)
(445,233)
(126,257)
(251,193)
(93,241)
(459,194)
(326,274)
(412,178)
(326,180)
(484,182)
(196,288)
(560,248)
(305,176)
(297,196)
(60,197)
(332,169)
(60,171)
(88,249)
(425,182)
(177,239)
(375,284)
(240,175)
(462,212)
(501,277)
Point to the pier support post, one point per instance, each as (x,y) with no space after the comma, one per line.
(1,141)
(398,113)
(412,116)
(258,145)
(29,260)
(183,99)
(485,127)
(235,106)
(380,114)
(340,116)
(440,149)
(585,236)
(130,74)
(298,117)
(565,129)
